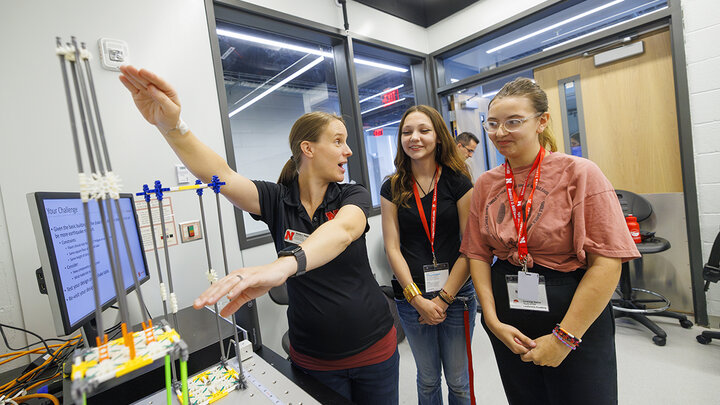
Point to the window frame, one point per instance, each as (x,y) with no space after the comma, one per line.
(248,15)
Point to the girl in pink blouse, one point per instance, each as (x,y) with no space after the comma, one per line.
(555,225)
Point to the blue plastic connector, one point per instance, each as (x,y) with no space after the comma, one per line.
(215,184)
(159,190)
(145,193)
(199,191)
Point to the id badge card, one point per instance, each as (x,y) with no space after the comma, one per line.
(435,276)
(527,301)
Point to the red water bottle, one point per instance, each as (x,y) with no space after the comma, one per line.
(634,228)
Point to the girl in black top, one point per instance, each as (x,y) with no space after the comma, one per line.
(425,206)
(341,330)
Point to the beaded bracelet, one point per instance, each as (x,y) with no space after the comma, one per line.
(566,337)
(554,332)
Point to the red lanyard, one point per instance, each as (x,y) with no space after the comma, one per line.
(433,213)
(516,202)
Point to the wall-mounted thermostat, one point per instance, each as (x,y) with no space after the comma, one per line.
(113,53)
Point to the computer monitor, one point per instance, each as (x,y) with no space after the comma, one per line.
(59,223)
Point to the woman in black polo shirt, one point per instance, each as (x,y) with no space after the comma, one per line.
(341,330)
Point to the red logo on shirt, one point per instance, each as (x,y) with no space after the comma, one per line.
(331,214)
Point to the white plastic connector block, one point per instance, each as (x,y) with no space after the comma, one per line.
(246,350)
(212,276)
(163,292)
(173,303)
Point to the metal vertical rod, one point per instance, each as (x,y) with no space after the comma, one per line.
(91,99)
(155,248)
(86,209)
(223,358)
(241,379)
(101,131)
(167,259)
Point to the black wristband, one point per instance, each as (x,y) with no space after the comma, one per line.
(299,254)
(443,299)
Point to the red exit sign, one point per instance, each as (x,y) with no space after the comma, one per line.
(390,97)
(378,132)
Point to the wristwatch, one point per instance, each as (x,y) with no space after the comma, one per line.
(299,254)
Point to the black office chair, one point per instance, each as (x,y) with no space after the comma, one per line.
(638,303)
(711,274)
(279,295)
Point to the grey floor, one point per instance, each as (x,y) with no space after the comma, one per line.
(681,372)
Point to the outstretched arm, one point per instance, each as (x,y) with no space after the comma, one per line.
(326,243)
(159,104)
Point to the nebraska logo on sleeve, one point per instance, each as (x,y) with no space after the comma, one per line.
(295,237)
(331,214)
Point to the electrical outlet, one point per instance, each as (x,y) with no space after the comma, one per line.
(190,231)
(183,174)
(113,53)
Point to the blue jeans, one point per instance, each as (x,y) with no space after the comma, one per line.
(376,384)
(442,344)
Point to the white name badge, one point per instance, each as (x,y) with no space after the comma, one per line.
(295,237)
(436,276)
(528,285)
(538,304)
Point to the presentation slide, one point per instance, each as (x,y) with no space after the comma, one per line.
(66,222)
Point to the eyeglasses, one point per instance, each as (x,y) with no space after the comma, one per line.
(510,125)
(469,151)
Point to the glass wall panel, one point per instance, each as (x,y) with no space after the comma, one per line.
(559,25)
(270,81)
(466,110)
(385,90)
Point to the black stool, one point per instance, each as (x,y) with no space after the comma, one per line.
(633,302)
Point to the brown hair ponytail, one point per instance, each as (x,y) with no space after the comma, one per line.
(309,127)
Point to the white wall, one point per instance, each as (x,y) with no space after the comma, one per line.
(473,19)
(167,36)
(701,33)
(363,20)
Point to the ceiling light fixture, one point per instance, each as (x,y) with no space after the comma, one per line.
(600,30)
(279,44)
(383,105)
(279,84)
(551,27)
(383,125)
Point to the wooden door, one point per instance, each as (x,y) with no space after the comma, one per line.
(629,114)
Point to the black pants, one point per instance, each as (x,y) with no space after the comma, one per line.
(587,376)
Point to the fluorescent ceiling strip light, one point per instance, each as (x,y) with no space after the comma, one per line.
(454,80)
(551,27)
(600,30)
(279,84)
(383,105)
(492,93)
(379,65)
(270,42)
(383,125)
(381,93)
(598,21)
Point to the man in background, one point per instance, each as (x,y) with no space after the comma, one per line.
(466,144)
